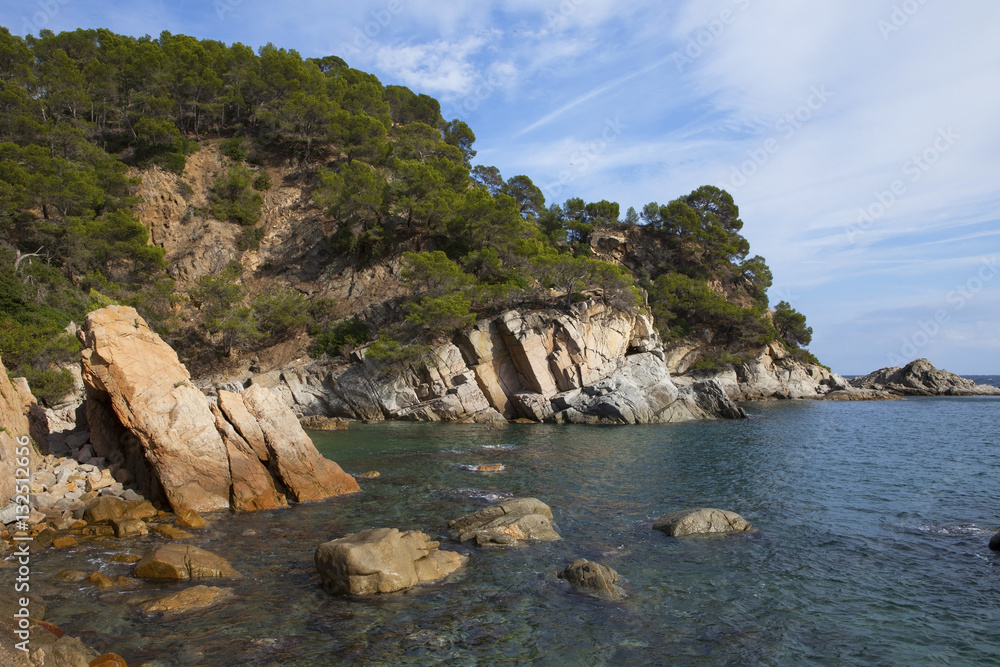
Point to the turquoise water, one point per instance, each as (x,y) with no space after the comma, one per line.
(873,521)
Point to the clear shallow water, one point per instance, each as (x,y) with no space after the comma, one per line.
(873,523)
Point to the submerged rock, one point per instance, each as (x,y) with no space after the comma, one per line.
(190,599)
(701,521)
(507,523)
(383,560)
(593,577)
(177,562)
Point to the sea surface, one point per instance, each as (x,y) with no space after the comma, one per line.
(872,523)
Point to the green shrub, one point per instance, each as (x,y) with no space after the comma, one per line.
(262,182)
(388,352)
(442,314)
(233,200)
(50,385)
(338,337)
(236,148)
(250,239)
(718,361)
(281,312)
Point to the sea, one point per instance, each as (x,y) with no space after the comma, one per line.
(870,547)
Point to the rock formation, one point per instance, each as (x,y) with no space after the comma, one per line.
(145,416)
(774,374)
(594,365)
(920,378)
(594,578)
(15,426)
(507,523)
(701,521)
(383,560)
(995,542)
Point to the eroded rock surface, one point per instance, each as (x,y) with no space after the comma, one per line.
(507,523)
(592,365)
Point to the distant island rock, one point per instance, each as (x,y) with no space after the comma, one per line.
(921,378)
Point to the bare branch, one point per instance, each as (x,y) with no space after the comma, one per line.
(22,256)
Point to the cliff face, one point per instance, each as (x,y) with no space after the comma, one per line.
(15,425)
(594,365)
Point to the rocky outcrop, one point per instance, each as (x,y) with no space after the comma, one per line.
(593,365)
(701,521)
(593,578)
(166,433)
(920,378)
(774,374)
(146,417)
(507,523)
(383,560)
(995,542)
(15,426)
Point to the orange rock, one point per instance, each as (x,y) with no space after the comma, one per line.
(109,660)
(126,558)
(490,467)
(99,579)
(65,541)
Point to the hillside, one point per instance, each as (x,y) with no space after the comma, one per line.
(255,207)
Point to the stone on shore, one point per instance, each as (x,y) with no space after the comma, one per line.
(700,522)
(383,560)
(104,508)
(179,562)
(593,577)
(507,523)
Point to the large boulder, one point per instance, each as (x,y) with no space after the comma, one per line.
(594,578)
(507,523)
(701,521)
(921,378)
(179,562)
(129,371)
(302,470)
(383,560)
(253,487)
(995,542)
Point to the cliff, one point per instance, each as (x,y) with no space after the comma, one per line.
(593,365)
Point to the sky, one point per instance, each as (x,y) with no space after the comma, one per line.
(860,138)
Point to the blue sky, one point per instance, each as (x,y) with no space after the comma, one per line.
(859,138)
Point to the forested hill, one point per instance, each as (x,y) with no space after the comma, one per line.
(379,174)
